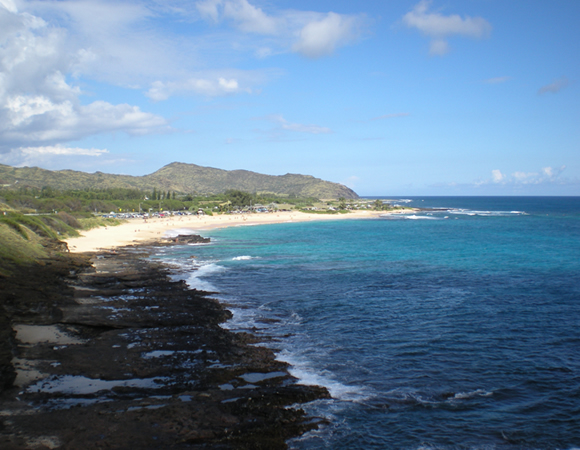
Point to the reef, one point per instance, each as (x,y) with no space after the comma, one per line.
(106,350)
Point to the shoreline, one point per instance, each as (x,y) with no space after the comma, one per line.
(103,343)
(108,351)
(142,232)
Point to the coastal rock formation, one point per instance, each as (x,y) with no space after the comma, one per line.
(187,239)
(110,353)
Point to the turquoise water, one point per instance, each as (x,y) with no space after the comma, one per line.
(446,329)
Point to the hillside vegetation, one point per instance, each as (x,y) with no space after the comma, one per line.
(115,200)
(26,239)
(178,177)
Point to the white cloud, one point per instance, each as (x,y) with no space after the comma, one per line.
(126,43)
(109,41)
(297,127)
(30,156)
(543,176)
(497,176)
(38,105)
(311,34)
(204,86)
(209,9)
(439,27)
(9,5)
(245,16)
(248,18)
(546,181)
(554,87)
(61,150)
(321,37)
(26,120)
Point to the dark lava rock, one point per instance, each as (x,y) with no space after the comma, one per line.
(187,239)
(136,361)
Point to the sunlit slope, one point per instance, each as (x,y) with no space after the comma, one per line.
(180,177)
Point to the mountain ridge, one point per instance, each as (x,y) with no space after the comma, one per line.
(179,177)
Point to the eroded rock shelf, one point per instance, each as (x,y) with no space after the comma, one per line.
(105,351)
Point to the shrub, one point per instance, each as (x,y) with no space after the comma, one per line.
(54,224)
(69,220)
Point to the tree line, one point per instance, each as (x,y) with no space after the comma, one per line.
(90,200)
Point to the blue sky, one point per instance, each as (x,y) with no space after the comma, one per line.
(441,97)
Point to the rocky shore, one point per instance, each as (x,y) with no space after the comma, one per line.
(103,350)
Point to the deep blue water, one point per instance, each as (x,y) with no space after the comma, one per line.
(454,329)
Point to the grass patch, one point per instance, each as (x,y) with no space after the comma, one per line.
(22,237)
(35,224)
(71,221)
(15,250)
(12,223)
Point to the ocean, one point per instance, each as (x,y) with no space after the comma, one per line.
(451,328)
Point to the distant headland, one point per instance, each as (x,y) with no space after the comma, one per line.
(179,177)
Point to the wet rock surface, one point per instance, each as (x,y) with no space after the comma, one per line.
(105,351)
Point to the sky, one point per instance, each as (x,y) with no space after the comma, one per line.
(418,97)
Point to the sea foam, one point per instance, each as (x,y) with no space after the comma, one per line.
(196,281)
(303,370)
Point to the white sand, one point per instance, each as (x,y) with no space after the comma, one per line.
(136,231)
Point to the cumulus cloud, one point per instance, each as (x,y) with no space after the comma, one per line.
(113,42)
(545,175)
(26,119)
(245,16)
(62,150)
(209,84)
(497,176)
(121,42)
(297,127)
(547,180)
(248,18)
(49,49)
(8,5)
(30,156)
(440,27)
(311,34)
(321,37)
(38,104)
(554,87)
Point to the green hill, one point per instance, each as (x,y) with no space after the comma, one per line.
(180,177)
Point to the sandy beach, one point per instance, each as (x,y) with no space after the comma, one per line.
(139,231)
